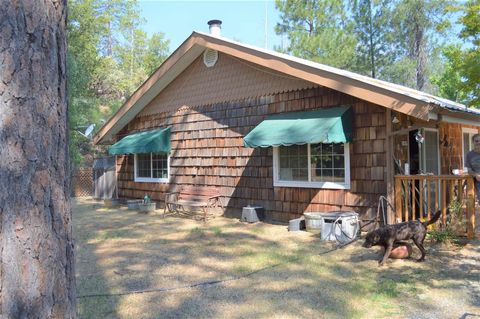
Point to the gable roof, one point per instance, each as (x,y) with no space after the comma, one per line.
(399,98)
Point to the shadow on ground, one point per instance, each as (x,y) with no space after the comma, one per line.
(131,265)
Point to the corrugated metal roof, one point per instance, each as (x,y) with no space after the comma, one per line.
(419,95)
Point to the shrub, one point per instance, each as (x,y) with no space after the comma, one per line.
(443,236)
(455,223)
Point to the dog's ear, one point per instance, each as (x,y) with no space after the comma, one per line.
(376,238)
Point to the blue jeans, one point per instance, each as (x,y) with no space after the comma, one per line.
(477,186)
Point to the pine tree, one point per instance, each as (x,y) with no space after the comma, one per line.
(318,30)
(37,277)
(109,56)
(374,34)
(418,25)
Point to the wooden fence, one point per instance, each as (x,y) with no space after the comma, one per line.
(419,196)
(104,177)
(82,182)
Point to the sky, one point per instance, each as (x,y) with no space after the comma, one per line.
(243,21)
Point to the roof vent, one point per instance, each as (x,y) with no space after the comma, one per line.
(215,27)
(210,57)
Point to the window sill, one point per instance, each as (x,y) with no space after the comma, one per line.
(300,184)
(150,180)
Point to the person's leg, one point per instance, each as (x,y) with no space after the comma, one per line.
(477,186)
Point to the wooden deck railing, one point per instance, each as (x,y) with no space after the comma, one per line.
(420,196)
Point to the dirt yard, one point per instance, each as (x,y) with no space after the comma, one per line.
(132,265)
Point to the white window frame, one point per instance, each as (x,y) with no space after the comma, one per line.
(309,184)
(149,179)
(470,132)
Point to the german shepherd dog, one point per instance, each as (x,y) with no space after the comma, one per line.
(388,235)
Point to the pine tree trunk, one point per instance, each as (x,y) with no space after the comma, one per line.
(36,246)
(420,57)
(419,45)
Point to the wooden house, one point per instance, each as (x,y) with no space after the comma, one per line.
(285,133)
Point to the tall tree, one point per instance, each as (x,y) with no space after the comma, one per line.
(418,26)
(470,66)
(449,81)
(398,40)
(460,76)
(36,246)
(109,55)
(374,35)
(318,31)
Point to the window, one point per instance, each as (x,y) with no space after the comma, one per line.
(467,134)
(152,167)
(312,165)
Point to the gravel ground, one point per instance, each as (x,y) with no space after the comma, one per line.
(455,289)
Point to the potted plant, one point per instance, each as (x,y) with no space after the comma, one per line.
(147,205)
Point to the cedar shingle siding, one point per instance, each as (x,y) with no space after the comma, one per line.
(451,142)
(231,79)
(207,149)
(212,153)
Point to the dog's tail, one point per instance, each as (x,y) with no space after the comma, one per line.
(434,219)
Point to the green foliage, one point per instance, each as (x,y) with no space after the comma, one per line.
(109,56)
(455,222)
(454,207)
(467,60)
(318,30)
(420,26)
(450,80)
(442,236)
(197,232)
(374,35)
(155,52)
(401,71)
(217,231)
(395,41)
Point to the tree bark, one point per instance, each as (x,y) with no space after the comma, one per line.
(419,45)
(36,245)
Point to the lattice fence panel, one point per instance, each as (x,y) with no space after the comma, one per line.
(82,182)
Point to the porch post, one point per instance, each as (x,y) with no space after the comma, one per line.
(389,165)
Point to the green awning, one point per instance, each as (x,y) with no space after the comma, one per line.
(153,141)
(332,125)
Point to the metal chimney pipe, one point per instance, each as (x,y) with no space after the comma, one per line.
(215,27)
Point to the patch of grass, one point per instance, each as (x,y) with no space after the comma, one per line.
(257,230)
(358,288)
(217,231)
(98,307)
(197,232)
(388,288)
(392,288)
(110,235)
(240,269)
(247,253)
(250,260)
